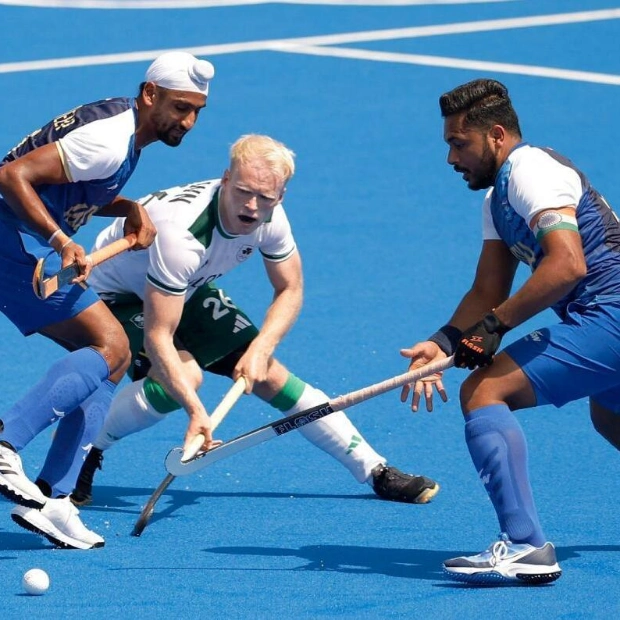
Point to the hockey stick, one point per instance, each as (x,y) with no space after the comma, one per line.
(44,287)
(219,413)
(177,466)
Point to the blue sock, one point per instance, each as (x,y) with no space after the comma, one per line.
(499,452)
(68,383)
(73,439)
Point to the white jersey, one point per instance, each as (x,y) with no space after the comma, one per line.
(536,182)
(191,247)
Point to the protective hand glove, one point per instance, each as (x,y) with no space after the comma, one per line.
(478,344)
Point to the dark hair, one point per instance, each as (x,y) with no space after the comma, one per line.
(485,103)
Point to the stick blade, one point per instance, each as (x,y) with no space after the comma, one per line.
(149,507)
(44,287)
(142,522)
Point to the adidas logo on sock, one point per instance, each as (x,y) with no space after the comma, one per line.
(240,323)
(355,441)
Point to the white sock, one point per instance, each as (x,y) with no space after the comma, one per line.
(336,435)
(129,413)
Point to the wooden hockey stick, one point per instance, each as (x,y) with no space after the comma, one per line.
(219,413)
(177,466)
(44,287)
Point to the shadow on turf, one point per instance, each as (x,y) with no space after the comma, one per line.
(408,563)
(131,499)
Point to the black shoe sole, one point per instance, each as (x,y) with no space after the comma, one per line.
(57,543)
(20,500)
(423,497)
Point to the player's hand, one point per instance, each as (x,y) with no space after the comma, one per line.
(74,253)
(253,367)
(139,222)
(479,343)
(199,428)
(421,354)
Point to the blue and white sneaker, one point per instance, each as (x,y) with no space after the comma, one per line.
(506,562)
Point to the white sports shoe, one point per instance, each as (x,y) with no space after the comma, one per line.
(58,521)
(14,484)
(506,562)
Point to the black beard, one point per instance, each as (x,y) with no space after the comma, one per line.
(169,140)
(487,176)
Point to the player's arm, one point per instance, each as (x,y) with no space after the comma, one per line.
(18,180)
(137,220)
(562,267)
(493,280)
(286,277)
(162,313)
(560,270)
(491,286)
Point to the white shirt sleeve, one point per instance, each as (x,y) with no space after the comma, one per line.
(96,150)
(277,242)
(488,228)
(174,259)
(539,182)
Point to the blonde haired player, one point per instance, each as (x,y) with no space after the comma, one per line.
(179,323)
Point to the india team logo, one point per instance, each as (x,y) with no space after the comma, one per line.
(244,253)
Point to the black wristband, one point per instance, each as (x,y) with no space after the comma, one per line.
(494,326)
(446,338)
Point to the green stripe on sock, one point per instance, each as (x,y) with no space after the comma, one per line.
(158,398)
(288,396)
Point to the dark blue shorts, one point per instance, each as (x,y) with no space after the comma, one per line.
(577,358)
(19,253)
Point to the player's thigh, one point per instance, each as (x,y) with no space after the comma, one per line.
(19,253)
(94,326)
(213,328)
(128,309)
(503,381)
(605,414)
(576,358)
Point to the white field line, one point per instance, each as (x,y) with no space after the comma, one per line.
(193,4)
(455,63)
(312,45)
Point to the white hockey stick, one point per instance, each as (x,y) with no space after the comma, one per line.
(219,413)
(177,466)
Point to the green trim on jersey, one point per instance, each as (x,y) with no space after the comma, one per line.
(203,226)
(164,287)
(277,256)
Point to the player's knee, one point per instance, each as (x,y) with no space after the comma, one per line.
(277,376)
(117,352)
(194,375)
(479,390)
(469,394)
(191,369)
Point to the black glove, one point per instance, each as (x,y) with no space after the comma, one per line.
(478,344)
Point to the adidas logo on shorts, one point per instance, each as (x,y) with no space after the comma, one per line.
(240,323)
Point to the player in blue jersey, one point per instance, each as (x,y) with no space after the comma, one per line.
(542,211)
(51,183)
